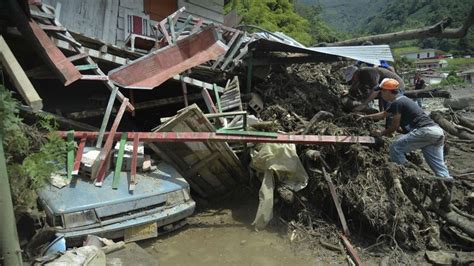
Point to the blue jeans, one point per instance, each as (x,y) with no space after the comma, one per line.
(430,140)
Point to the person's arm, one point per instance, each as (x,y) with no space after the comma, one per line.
(372,96)
(393,127)
(376,116)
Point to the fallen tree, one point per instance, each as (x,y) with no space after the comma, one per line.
(462,133)
(438,30)
(427,93)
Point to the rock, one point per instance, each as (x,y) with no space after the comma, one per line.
(243,242)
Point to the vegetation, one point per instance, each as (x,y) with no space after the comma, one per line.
(303,22)
(367,17)
(32,153)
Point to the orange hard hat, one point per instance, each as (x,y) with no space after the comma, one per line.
(389,84)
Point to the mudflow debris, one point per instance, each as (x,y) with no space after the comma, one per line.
(404,208)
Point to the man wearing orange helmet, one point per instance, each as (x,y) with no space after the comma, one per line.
(424,133)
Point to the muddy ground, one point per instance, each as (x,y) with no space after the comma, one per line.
(393,212)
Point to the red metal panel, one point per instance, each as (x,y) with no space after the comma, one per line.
(153,69)
(133,173)
(212,136)
(66,71)
(105,152)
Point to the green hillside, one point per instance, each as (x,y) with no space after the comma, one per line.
(365,17)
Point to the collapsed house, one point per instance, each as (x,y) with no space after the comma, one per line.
(152,75)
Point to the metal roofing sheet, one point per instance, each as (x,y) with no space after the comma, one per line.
(371,54)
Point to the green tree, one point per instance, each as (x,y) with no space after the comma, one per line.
(273,15)
(319,30)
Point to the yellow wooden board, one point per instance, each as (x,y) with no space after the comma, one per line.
(141,232)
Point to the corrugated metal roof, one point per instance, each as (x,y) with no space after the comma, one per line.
(371,54)
(278,41)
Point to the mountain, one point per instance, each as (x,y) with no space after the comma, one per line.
(348,15)
(367,17)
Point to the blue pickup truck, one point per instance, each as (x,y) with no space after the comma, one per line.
(160,202)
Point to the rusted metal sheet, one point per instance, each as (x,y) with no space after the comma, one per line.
(155,68)
(64,69)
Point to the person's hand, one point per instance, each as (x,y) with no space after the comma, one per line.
(359,108)
(376,133)
(344,93)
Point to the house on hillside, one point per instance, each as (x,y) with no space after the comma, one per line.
(468,75)
(432,76)
(422,54)
(431,63)
(118,21)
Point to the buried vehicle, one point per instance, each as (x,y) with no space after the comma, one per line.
(160,202)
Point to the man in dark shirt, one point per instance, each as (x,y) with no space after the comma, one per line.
(365,81)
(425,134)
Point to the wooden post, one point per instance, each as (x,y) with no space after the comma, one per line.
(118,163)
(70,153)
(80,151)
(105,152)
(133,174)
(19,78)
(185,91)
(105,120)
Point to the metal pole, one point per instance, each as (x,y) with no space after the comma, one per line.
(10,252)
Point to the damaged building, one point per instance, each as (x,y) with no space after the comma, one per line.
(163,104)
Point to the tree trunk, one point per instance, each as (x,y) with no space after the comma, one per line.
(427,93)
(449,127)
(437,30)
(465,122)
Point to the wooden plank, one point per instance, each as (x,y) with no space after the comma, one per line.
(335,199)
(247,133)
(86,67)
(105,152)
(208,100)
(218,100)
(186,23)
(70,153)
(231,54)
(52,27)
(105,120)
(197,26)
(77,57)
(172,33)
(352,252)
(41,15)
(118,163)
(19,78)
(133,173)
(94,77)
(69,39)
(155,68)
(229,44)
(198,83)
(164,137)
(80,151)
(165,32)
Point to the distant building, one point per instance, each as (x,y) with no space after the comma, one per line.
(433,77)
(431,63)
(422,54)
(468,75)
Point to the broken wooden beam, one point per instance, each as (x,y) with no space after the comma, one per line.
(41,42)
(64,122)
(19,78)
(105,152)
(214,137)
(155,68)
